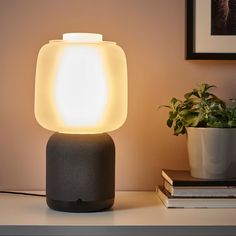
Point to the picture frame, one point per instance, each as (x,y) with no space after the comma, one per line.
(201,44)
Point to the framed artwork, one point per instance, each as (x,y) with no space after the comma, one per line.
(211,29)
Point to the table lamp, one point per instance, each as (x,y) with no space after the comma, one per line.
(80,93)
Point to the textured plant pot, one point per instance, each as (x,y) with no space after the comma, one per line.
(212,152)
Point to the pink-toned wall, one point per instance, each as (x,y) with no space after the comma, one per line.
(152,33)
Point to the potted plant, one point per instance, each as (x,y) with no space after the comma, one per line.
(210,126)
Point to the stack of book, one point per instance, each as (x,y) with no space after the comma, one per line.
(180,190)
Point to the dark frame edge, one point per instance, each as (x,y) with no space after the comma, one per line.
(190,53)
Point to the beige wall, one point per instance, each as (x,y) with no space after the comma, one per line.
(152,34)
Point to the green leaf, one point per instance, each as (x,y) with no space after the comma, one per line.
(169,122)
(166,106)
(188,95)
(173,101)
(232,123)
(178,130)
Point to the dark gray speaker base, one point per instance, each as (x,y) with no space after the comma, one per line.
(80,206)
(80,172)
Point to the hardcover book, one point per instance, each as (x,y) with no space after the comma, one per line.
(195,202)
(200,191)
(183,178)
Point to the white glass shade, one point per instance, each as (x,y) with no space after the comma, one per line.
(81,85)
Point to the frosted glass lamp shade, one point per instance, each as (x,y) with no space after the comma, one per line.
(81,85)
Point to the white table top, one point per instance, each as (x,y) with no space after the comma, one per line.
(134,213)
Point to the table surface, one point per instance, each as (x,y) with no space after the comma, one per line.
(134,213)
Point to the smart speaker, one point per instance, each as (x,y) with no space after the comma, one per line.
(80,172)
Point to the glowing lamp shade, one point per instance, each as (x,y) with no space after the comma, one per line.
(81,85)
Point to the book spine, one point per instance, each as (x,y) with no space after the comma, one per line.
(199,191)
(186,183)
(184,202)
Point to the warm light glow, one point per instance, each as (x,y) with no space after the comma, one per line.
(81,91)
(81,85)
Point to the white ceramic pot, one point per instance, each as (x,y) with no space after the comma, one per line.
(212,152)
